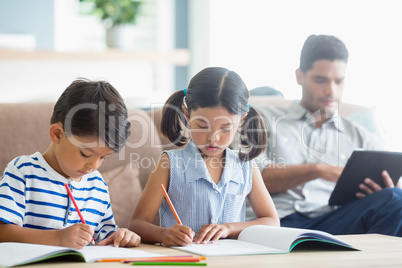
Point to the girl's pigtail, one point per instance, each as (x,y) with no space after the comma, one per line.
(173,119)
(253,136)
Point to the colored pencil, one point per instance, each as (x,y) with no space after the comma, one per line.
(189,258)
(171,263)
(170,204)
(166,259)
(77,208)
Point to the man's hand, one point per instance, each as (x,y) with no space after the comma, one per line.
(369,186)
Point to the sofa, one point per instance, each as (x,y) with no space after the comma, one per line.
(24,130)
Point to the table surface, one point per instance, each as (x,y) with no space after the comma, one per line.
(375,251)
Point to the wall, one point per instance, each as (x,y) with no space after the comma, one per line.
(29,17)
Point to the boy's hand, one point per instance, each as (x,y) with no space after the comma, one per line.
(178,235)
(122,238)
(211,232)
(76,236)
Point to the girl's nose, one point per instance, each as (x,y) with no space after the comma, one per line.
(214,136)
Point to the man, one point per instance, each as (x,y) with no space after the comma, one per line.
(309,144)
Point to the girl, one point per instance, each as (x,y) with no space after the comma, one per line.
(206,181)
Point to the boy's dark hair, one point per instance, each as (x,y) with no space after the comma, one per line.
(213,87)
(93,108)
(322,47)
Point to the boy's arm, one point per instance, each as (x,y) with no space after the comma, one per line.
(75,236)
(14,233)
(118,237)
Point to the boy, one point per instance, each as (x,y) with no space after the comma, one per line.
(88,124)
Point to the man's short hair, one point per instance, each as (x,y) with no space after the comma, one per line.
(322,47)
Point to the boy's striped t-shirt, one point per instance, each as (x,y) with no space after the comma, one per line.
(33,195)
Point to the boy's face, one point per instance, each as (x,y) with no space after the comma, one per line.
(322,86)
(76,156)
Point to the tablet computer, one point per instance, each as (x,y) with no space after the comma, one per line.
(361,165)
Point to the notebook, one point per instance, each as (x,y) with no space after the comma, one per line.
(361,165)
(13,254)
(263,239)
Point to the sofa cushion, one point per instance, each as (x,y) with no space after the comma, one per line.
(142,149)
(125,190)
(24,129)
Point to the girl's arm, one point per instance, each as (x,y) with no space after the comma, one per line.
(263,207)
(147,207)
(75,236)
(261,202)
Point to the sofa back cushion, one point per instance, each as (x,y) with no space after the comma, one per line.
(24,130)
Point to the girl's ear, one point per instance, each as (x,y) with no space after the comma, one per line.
(244,116)
(56,131)
(185,111)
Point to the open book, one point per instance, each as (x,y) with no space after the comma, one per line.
(13,254)
(262,239)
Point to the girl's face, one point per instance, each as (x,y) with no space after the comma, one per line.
(213,129)
(76,156)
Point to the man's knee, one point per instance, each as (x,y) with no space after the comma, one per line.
(389,195)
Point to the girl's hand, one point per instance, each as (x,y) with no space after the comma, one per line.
(178,235)
(76,236)
(212,232)
(122,238)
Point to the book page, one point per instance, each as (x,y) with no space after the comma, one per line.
(263,239)
(11,253)
(93,253)
(228,247)
(283,238)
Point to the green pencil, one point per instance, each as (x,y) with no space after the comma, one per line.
(171,263)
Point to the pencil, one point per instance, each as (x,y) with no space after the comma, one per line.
(171,263)
(76,208)
(170,204)
(186,258)
(166,259)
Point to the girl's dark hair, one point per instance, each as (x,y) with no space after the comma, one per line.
(93,108)
(213,87)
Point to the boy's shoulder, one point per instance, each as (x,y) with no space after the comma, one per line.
(95,178)
(25,160)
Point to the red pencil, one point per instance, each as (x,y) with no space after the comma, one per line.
(76,208)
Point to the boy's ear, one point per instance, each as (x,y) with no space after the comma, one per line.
(56,131)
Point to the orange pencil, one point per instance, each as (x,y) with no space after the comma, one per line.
(170,204)
(156,259)
(76,208)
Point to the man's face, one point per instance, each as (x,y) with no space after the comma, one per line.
(322,86)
